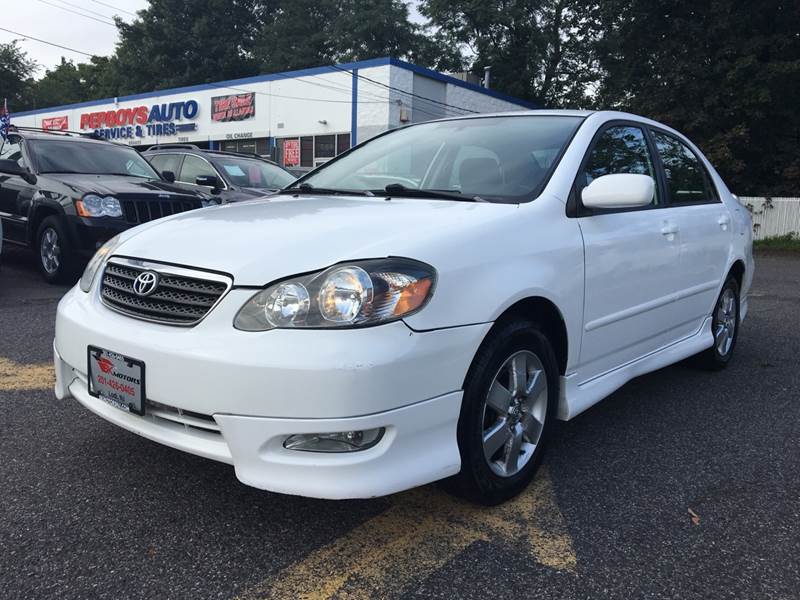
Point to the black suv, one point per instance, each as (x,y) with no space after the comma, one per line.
(64,195)
(230,176)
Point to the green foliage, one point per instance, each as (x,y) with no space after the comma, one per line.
(540,50)
(296,34)
(790,241)
(724,72)
(727,75)
(175,43)
(15,72)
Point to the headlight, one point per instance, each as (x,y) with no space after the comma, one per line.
(97,261)
(362,293)
(92,205)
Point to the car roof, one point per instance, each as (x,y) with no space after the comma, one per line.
(192,149)
(30,133)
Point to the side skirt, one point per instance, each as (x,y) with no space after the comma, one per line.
(577,397)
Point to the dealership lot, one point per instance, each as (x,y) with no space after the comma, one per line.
(681,484)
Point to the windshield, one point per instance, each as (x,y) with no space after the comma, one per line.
(500,159)
(253,173)
(60,156)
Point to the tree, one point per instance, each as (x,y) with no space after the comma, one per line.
(296,34)
(15,76)
(174,43)
(68,83)
(728,76)
(538,50)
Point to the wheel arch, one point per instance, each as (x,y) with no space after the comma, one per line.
(737,270)
(548,317)
(39,214)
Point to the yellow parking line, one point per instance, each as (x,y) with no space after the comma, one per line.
(15,376)
(419,533)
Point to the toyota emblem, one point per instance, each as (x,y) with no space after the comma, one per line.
(146,283)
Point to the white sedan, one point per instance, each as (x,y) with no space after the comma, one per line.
(421,308)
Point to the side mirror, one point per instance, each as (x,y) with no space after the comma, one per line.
(621,190)
(11,167)
(211,181)
(168,176)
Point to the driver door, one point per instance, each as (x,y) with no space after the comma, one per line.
(15,194)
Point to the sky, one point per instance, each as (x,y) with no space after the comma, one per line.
(56,21)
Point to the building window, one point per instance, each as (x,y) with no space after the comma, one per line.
(325,146)
(258,146)
(309,151)
(342,143)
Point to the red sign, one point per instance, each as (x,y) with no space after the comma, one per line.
(291,153)
(237,107)
(56,123)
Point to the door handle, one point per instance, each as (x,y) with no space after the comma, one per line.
(724,221)
(669,229)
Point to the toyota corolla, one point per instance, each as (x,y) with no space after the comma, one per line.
(421,308)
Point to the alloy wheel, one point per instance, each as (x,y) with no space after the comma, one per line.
(50,250)
(725,320)
(514,413)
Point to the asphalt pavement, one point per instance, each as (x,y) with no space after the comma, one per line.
(683,484)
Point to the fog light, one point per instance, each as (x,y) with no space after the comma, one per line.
(339,441)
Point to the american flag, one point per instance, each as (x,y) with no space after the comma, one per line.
(5,119)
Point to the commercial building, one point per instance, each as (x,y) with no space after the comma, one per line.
(298,118)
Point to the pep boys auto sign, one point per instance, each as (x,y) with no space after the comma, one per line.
(140,121)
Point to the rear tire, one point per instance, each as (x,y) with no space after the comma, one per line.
(724,327)
(56,260)
(507,412)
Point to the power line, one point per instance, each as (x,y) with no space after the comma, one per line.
(75,12)
(412,94)
(114,7)
(48,43)
(93,12)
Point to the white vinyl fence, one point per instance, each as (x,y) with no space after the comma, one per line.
(773,216)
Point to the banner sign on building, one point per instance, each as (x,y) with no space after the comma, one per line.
(291,153)
(236,107)
(141,121)
(59,123)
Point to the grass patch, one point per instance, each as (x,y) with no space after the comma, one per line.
(790,241)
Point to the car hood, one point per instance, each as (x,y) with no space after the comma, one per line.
(258,242)
(108,185)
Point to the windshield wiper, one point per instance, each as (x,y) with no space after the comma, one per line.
(307,188)
(398,189)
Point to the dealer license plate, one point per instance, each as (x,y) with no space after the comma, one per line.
(116,379)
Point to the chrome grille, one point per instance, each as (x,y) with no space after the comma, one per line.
(183,296)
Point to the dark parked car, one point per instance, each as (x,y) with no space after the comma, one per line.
(231,176)
(65,195)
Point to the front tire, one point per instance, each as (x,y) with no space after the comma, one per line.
(725,327)
(509,405)
(56,262)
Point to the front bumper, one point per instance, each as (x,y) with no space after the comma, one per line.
(259,388)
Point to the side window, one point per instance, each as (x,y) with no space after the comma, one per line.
(166,162)
(12,150)
(619,149)
(194,167)
(687,181)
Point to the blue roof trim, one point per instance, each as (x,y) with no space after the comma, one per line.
(361,64)
(424,71)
